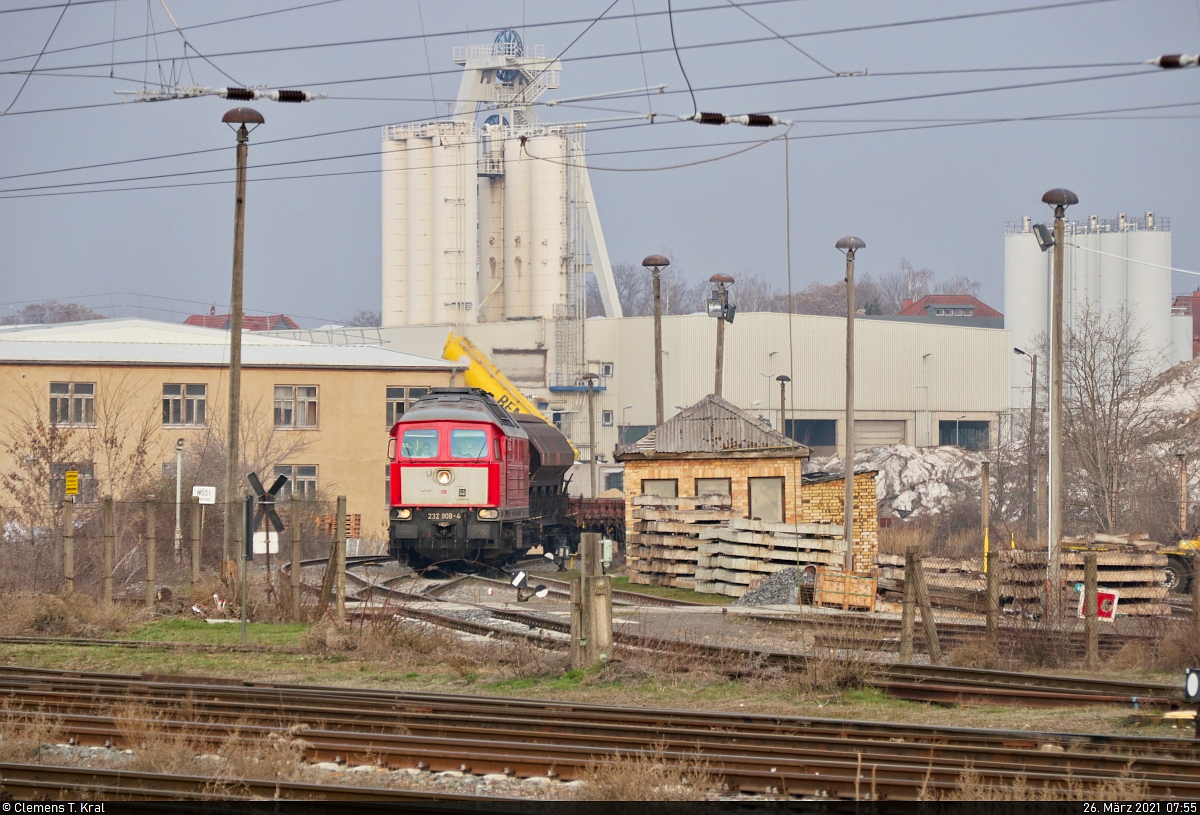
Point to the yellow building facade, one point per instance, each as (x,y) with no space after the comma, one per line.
(109,399)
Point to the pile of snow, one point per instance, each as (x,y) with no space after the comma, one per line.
(913,480)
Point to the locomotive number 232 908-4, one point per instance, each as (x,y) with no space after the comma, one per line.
(444,516)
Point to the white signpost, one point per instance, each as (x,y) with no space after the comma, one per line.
(207,495)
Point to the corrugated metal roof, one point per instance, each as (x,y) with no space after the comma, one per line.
(712,426)
(146,342)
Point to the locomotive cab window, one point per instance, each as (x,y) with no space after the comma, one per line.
(419,444)
(467,443)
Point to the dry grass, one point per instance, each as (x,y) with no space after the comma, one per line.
(159,746)
(1178,649)
(1123,787)
(932,540)
(23,735)
(843,657)
(49,615)
(648,776)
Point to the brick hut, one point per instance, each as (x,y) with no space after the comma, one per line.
(714,449)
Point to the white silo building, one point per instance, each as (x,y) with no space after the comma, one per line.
(488,215)
(1108,266)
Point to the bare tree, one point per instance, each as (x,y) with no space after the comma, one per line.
(51,311)
(365,319)
(906,284)
(959,284)
(754,293)
(1121,425)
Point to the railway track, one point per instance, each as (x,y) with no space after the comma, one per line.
(832,630)
(754,753)
(43,781)
(931,683)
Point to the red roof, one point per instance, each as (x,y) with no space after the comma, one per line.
(272,322)
(920,308)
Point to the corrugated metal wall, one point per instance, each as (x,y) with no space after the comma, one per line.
(964,369)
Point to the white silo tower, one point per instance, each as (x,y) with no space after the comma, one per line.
(494,220)
(1109,267)
(1026,300)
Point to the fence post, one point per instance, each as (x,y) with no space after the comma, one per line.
(578,647)
(151,546)
(931,635)
(295,564)
(906,611)
(1091,622)
(341,558)
(597,600)
(194,570)
(993,601)
(109,548)
(985,492)
(68,509)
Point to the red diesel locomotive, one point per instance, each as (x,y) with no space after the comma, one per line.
(472,482)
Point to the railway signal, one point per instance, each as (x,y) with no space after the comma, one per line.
(266,503)
(521,583)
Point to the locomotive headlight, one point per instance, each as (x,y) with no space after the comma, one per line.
(489,514)
(444,477)
(402,514)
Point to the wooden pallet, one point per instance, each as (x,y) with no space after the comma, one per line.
(845,590)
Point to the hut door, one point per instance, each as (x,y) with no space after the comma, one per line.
(766,499)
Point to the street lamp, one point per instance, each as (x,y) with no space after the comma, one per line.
(849,245)
(656,263)
(957,438)
(240,117)
(178,480)
(590,378)
(1030,515)
(782,379)
(718,306)
(624,425)
(1060,199)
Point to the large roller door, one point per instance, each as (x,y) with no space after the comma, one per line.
(877,432)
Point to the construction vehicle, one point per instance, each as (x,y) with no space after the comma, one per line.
(1182,557)
(483,374)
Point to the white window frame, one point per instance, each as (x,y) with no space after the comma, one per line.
(78,407)
(297,405)
(606,418)
(184,403)
(306,481)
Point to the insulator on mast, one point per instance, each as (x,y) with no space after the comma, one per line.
(1174,60)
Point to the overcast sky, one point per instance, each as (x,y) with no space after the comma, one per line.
(935,187)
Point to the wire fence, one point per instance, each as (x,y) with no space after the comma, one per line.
(118,550)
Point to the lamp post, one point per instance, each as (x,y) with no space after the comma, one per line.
(718,306)
(240,117)
(782,379)
(849,245)
(656,263)
(957,437)
(624,425)
(1181,454)
(1030,513)
(590,378)
(178,481)
(1060,199)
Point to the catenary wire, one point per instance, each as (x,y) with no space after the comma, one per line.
(817,107)
(116,39)
(679,59)
(25,82)
(812,136)
(782,38)
(742,41)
